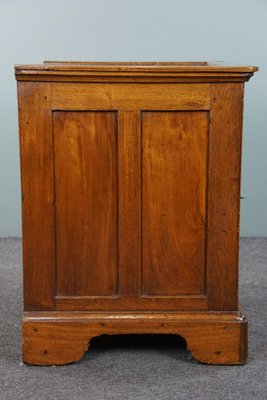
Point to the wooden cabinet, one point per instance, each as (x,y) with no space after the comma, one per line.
(130,205)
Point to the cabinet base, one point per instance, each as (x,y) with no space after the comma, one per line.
(56,338)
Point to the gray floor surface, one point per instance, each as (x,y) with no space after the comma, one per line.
(134,367)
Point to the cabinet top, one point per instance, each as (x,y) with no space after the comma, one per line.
(80,71)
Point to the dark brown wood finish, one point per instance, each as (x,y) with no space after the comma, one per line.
(224,195)
(129,203)
(128,302)
(37,181)
(174,180)
(130,188)
(125,96)
(156,72)
(61,338)
(86,172)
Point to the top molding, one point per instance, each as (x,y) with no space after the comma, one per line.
(79,71)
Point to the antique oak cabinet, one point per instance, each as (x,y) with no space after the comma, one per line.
(130,205)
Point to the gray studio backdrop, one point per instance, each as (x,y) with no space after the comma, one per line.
(148,30)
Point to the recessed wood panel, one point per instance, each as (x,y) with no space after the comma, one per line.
(85,157)
(174,181)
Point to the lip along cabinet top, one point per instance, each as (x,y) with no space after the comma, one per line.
(134,72)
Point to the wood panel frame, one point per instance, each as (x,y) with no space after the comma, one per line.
(226,120)
(225,102)
(37,187)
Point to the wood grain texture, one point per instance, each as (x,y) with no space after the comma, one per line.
(155,66)
(132,302)
(101,96)
(60,338)
(174,180)
(85,157)
(224,195)
(134,72)
(129,203)
(37,184)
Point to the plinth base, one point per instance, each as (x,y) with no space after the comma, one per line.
(55,338)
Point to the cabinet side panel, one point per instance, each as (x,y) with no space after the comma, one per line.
(85,157)
(224,195)
(174,180)
(36,155)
